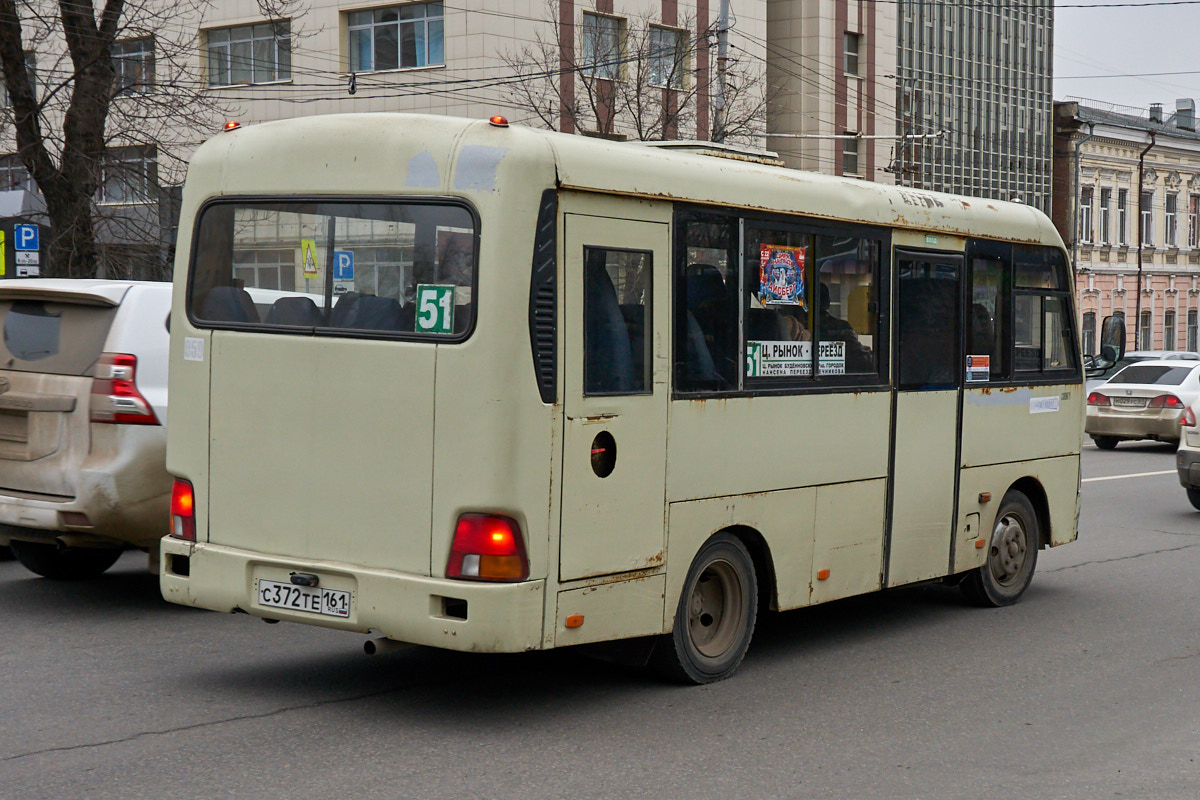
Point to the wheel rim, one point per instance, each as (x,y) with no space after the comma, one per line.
(1010,549)
(713,609)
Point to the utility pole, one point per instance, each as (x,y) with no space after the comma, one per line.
(1137,319)
(718,131)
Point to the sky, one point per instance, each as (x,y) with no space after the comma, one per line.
(1141,37)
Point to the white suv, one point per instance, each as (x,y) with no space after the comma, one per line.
(83,410)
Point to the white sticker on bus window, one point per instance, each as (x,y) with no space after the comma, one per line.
(979,369)
(1043,405)
(793,359)
(193,348)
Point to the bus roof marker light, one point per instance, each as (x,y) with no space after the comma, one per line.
(498,121)
(231,125)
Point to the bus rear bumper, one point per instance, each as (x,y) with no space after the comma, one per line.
(456,615)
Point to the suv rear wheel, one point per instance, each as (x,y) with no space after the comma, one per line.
(64,563)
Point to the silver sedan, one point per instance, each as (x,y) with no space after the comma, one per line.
(1142,401)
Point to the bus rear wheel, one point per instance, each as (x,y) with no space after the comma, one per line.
(715,617)
(1012,555)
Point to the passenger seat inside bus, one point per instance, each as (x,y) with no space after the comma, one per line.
(295,311)
(228,304)
(369,312)
(609,354)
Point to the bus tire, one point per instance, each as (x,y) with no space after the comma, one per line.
(1106,442)
(66,563)
(1012,555)
(715,618)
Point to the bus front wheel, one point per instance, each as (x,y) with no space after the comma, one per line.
(715,617)
(1012,555)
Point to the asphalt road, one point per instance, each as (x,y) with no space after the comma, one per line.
(1088,689)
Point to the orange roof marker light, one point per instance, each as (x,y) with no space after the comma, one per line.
(499,121)
(232,125)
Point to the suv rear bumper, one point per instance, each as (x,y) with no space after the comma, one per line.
(122,487)
(456,615)
(1187,464)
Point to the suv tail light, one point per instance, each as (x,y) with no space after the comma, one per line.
(1097,399)
(487,547)
(115,396)
(183,511)
(1165,401)
(1188,419)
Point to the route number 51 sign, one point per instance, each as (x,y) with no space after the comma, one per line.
(435,308)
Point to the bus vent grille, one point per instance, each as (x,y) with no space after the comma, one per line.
(543,298)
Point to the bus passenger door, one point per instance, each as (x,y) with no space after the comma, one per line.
(615,394)
(928,381)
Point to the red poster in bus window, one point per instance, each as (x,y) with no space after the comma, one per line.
(781,275)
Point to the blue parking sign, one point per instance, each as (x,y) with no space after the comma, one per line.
(25,237)
(343,265)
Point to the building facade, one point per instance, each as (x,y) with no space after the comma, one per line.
(1127,202)
(974,98)
(831,72)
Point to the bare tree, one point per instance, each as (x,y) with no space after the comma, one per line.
(639,80)
(104,106)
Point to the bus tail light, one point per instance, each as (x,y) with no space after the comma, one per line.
(1188,420)
(183,511)
(1166,401)
(115,395)
(1097,399)
(487,547)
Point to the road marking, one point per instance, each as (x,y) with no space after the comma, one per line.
(1130,475)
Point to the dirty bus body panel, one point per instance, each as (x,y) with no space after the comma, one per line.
(636,374)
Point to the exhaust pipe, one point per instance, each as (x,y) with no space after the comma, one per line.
(383,645)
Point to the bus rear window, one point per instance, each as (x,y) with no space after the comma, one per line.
(364,268)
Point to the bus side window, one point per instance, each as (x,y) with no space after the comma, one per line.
(988,316)
(846,311)
(616,313)
(706,334)
(1044,325)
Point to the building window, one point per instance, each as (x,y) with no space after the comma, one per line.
(31,68)
(250,54)
(1169,219)
(667,57)
(1147,217)
(1089,332)
(1145,331)
(129,175)
(1168,330)
(397,37)
(1122,216)
(133,65)
(13,174)
(1193,329)
(852,45)
(601,46)
(1104,214)
(850,155)
(1085,214)
(1194,221)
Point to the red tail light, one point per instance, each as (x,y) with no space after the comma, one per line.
(1097,399)
(1165,401)
(115,396)
(487,548)
(1188,419)
(183,511)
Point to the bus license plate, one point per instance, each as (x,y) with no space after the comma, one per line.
(310,599)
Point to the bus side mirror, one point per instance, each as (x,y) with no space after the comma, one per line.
(1112,346)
